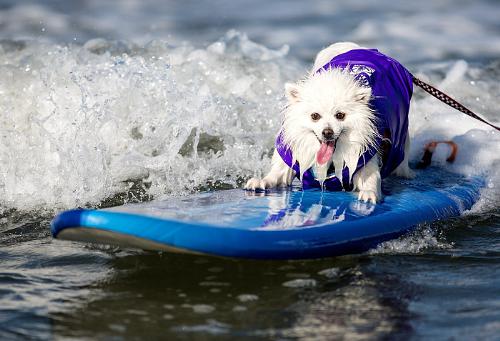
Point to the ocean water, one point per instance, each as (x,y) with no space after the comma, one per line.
(103,103)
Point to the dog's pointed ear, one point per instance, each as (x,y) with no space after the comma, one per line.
(363,94)
(292,92)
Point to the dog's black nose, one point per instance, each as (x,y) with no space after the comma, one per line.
(327,133)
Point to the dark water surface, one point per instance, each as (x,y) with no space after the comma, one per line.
(64,103)
(446,290)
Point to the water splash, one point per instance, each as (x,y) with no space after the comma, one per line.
(423,238)
(83,123)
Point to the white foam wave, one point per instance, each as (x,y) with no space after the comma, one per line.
(80,124)
(424,237)
(478,144)
(83,123)
(411,31)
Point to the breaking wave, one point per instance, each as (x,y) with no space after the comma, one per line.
(109,121)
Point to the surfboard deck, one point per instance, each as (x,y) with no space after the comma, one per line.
(276,224)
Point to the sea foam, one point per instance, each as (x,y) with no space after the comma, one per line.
(81,124)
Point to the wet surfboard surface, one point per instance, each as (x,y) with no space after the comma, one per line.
(276,224)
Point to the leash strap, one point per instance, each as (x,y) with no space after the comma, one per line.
(448,100)
(429,150)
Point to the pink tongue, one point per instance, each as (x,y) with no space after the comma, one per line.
(325,152)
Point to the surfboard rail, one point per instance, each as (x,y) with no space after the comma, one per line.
(269,235)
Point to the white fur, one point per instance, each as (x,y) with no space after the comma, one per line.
(325,55)
(403,169)
(328,93)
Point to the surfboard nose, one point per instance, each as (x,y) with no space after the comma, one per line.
(66,219)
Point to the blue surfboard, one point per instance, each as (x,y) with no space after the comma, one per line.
(276,224)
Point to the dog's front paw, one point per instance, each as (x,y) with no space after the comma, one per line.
(255,184)
(368,196)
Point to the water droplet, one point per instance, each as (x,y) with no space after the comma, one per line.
(330,273)
(203,308)
(301,283)
(215,269)
(247,297)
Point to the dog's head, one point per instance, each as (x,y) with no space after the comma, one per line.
(328,118)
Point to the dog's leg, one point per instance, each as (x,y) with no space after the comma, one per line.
(403,170)
(369,182)
(279,175)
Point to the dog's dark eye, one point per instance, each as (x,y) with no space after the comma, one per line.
(340,116)
(315,116)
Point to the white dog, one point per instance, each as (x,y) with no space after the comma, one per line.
(345,126)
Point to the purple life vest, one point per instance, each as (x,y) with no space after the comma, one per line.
(392,88)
